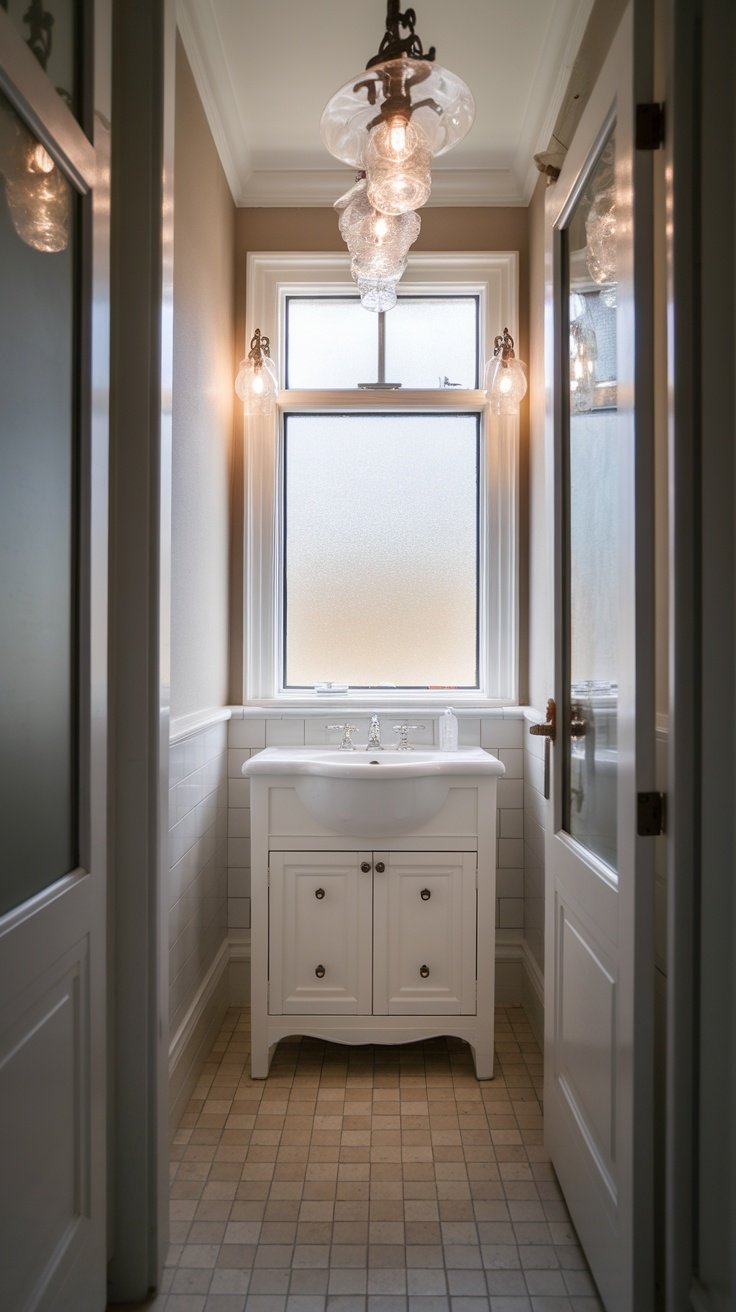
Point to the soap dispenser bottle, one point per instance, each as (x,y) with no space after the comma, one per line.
(448,731)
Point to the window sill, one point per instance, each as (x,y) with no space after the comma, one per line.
(382,705)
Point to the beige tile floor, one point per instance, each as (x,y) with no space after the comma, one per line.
(369,1179)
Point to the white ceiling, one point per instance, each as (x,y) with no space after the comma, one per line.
(266,68)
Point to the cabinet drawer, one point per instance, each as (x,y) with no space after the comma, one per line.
(319,933)
(425,934)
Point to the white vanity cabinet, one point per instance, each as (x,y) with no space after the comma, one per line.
(373,937)
(372,933)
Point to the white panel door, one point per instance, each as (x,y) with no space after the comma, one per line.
(53,659)
(320,933)
(424,933)
(599,900)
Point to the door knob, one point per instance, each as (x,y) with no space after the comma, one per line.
(578,724)
(320,972)
(425,895)
(380,867)
(549,728)
(319,894)
(424,971)
(365,866)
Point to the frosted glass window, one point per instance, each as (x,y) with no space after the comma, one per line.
(330,342)
(381,550)
(433,338)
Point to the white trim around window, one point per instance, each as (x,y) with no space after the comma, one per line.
(493,277)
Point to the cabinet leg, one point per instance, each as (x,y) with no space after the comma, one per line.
(483,1058)
(260,1060)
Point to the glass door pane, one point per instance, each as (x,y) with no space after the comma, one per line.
(589,720)
(38,503)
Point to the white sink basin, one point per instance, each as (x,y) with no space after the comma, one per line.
(371,793)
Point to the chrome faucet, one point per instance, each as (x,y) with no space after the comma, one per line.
(374,735)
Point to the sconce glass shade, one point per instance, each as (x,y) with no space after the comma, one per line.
(583,356)
(39,196)
(506,385)
(257,382)
(348,115)
(505,378)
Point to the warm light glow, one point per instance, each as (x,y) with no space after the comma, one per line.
(380,227)
(506,384)
(40,161)
(258,382)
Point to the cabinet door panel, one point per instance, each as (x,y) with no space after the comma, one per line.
(425,934)
(320,933)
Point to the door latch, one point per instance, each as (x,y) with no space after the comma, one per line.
(650,814)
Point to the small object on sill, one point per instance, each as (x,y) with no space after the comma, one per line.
(331,689)
(448,731)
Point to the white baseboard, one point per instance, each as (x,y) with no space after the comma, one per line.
(192,1043)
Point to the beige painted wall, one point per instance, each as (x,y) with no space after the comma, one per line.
(316,230)
(204,219)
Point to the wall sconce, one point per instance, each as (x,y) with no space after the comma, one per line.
(38,194)
(257,382)
(505,377)
(389,121)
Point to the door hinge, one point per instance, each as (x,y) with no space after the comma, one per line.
(650,126)
(650,814)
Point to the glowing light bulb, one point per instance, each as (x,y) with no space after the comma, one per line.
(506,385)
(257,385)
(380,227)
(40,160)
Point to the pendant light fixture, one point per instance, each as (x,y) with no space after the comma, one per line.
(506,383)
(257,383)
(389,122)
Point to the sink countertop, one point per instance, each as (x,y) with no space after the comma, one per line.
(377,765)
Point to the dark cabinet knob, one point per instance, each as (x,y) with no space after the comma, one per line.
(365,866)
(380,867)
(319,894)
(424,971)
(320,972)
(425,895)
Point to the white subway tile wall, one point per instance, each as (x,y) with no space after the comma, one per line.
(536,817)
(501,733)
(198,862)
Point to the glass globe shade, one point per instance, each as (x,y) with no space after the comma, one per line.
(379,265)
(385,232)
(600,233)
(395,140)
(345,120)
(400,188)
(506,385)
(39,199)
(378,294)
(257,385)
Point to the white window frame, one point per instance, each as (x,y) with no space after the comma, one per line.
(493,278)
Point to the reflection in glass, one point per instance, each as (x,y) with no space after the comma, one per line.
(50,28)
(590,713)
(381,550)
(38,562)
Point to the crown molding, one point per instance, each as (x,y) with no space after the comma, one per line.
(200,34)
(320,188)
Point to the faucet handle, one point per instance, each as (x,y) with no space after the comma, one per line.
(403,730)
(347,730)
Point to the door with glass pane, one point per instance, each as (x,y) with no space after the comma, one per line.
(599,951)
(53,581)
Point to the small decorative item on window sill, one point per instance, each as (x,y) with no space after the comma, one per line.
(257,383)
(505,377)
(377,123)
